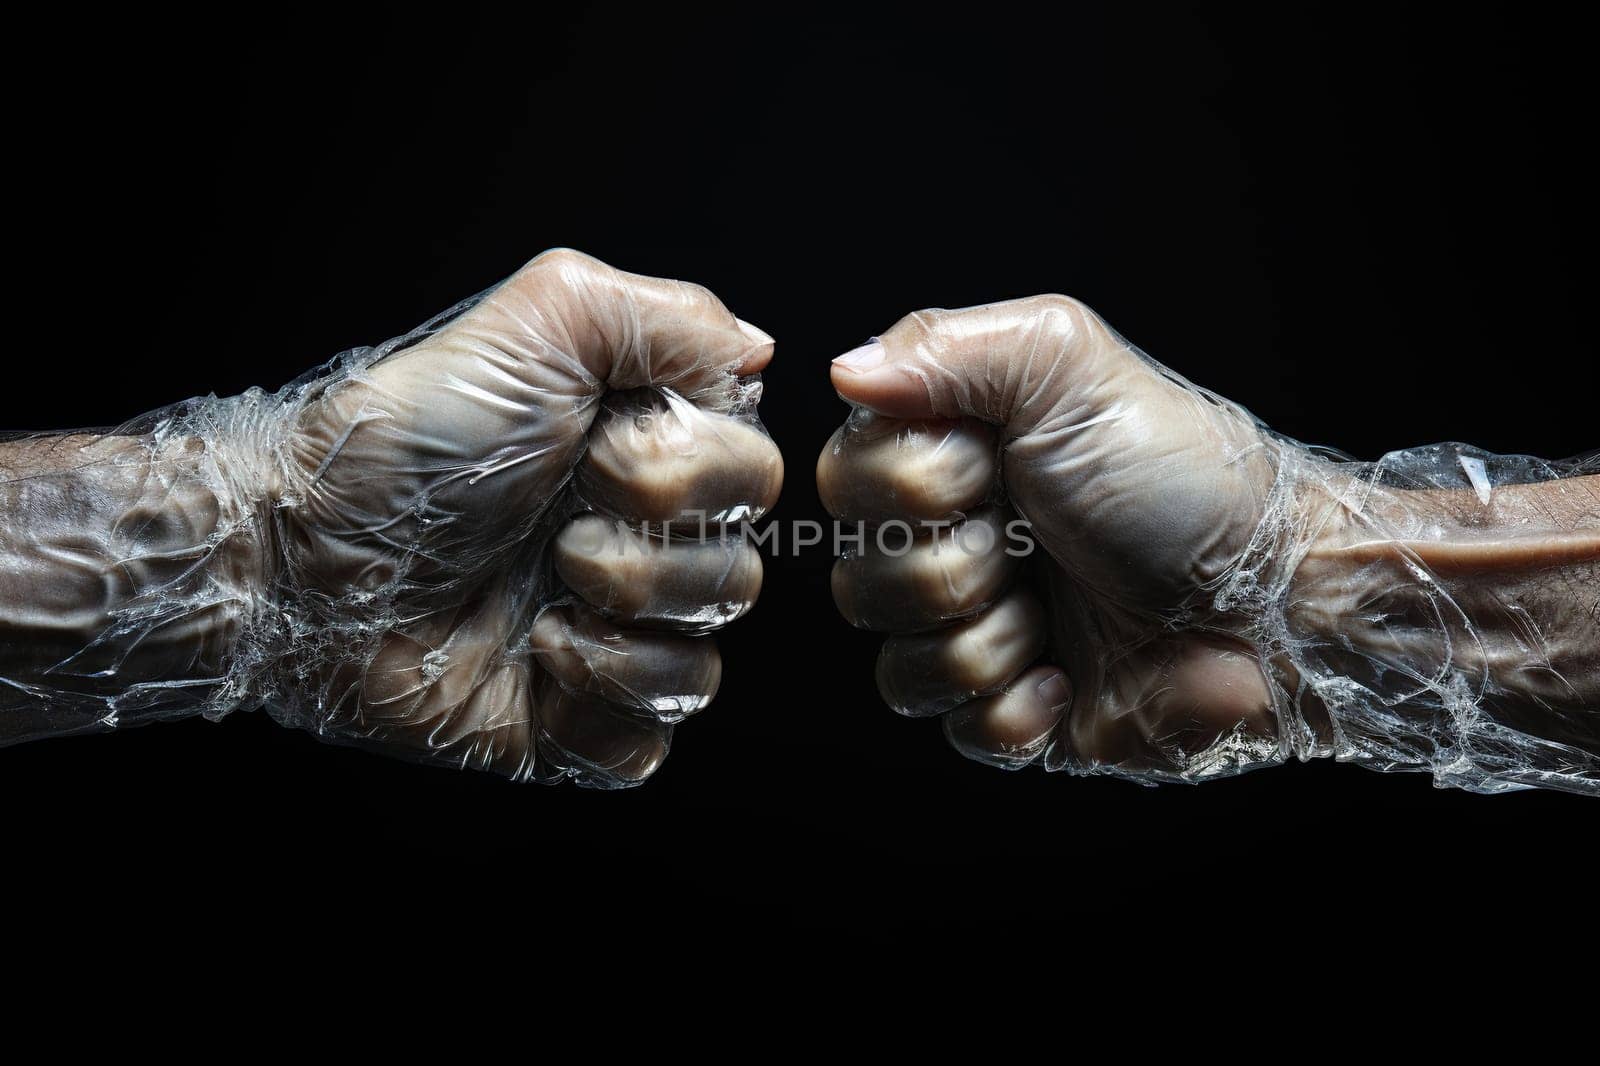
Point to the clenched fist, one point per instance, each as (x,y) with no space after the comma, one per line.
(1201,595)
(450,547)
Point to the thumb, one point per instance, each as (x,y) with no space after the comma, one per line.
(1000,363)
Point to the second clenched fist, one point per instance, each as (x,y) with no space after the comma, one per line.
(1100,650)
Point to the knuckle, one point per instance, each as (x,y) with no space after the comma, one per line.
(1061,316)
(566,266)
(925,324)
(563,258)
(697,295)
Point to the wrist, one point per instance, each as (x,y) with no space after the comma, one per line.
(245,443)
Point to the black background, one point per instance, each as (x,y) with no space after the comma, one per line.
(1373,228)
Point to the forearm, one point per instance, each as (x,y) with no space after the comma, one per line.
(1453,628)
(144,572)
(132,566)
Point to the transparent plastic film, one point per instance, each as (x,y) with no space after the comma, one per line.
(499,542)
(1179,593)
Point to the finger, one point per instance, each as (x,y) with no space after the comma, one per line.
(663,674)
(929,673)
(656,458)
(1012,728)
(993,363)
(443,689)
(952,574)
(646,580)
(597,745)
(1172,700)
(624,331)
(877,469)
(486,726)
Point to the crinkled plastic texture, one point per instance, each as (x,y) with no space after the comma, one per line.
(1406,635)
(495,542)
(1219,597)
